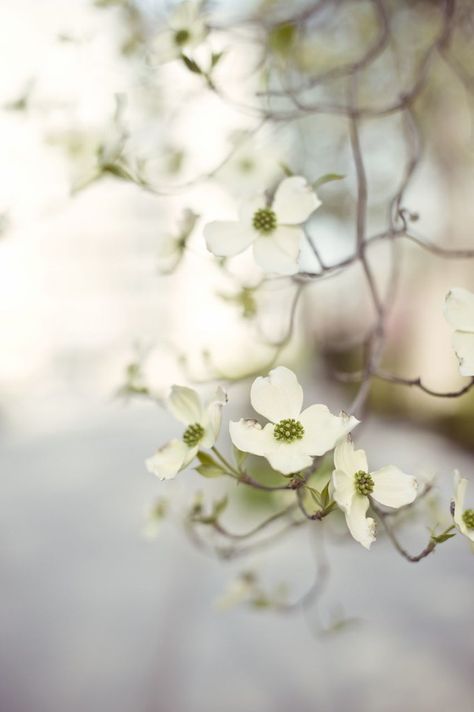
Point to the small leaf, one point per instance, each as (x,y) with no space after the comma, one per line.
(286,169)
(216,58)
(191,64)
(219,507)
(210,470)
(239,457)
(327,178)
(206,459)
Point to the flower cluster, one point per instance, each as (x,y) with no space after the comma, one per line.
(293,440)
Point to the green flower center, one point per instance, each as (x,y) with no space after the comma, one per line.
(468,518)
(264,220)
(193,434)
(181,37)
(363,483)
(246,165)
(288,430)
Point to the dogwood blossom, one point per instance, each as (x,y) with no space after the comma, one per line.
(186,30)
(292,437)
(353,484)
(463,518)
(202,428)
(459,312)
(274,230)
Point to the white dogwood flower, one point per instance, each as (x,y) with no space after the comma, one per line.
(274,230)
(353,484)
(292,437)
(202,428)
(459,312)
(186,30)
(463,518)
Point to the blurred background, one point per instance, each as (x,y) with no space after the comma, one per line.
(112,162)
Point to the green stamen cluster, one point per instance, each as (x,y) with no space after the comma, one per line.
(468,518)
(181,37)
(288,430)
(363,483)
(193,434)
(264,220)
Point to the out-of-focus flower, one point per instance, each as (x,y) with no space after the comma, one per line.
(272,229)
(172,247)
(459,312)
(202,429)
(463,518)
(250,166)
(186,30)
(292,437)
(353,485)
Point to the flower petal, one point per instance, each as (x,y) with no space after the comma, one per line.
(212,418)
(349,460)
(459,309)
(463,344)
(249,436)
(322,429)
(278,395)
(343,489)
(164,48)
(185,404)
(286,458)
(460,485)
(170,459)
(226,239)
(361,527)
(393,488)
(278,252)
(294,201)
(250,207)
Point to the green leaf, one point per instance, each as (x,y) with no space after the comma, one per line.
(444,536)
(219,507)
(327,178)
(315,495)
(286,169)
(210,470)
(325,495)
(239,457)
(206,459)
(191,64)
(216,58)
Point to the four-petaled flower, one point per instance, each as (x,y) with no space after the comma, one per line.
(463,518)
(459,312)
(202,428)
(353,485)
(273,229)
(186,30)
(292,438)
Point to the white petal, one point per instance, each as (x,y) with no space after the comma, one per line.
(185,404)
(278,395)
(170,459)
(164,47)
(459,309)
(249,436)
(287,458)
(250,207)
(278,252)
(295,200)
(361,527)
(322,429)
(226,239)
(349,460)
(460,485)
(393,488)
(463,344)
(343,489)
(184,16)
(212,418)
